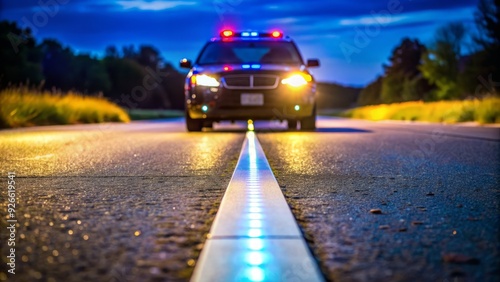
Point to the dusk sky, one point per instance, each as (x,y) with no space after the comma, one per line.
(325,29)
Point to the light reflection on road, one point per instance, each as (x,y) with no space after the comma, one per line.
(203,154)
(296,154)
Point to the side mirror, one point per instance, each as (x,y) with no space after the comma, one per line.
(313,63)
(185,63)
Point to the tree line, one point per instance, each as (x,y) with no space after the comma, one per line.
(137,77)
(134,77)
(440,71)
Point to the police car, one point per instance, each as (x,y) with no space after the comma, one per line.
(250,76)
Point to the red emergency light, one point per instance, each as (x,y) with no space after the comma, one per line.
(227,33)
(277,34)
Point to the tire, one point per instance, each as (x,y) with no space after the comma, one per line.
(193,124)
(292,124)
(309,123)
(208,124)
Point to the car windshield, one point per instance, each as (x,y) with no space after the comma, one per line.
(238,52)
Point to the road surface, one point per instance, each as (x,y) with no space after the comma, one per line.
(384,201)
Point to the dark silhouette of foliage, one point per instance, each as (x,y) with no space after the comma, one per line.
(138,81)
(335,96)
(405,58)
(134,78)
(57,65)
(487,19)
(445,72)
(482,71)
(174,86)
(64,70)
(370,95)
(148,56)
(20,57)
(441,61)
(90,74)
(111,52)
(402,75)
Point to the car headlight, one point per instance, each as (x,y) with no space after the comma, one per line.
(205,80)
(297,80)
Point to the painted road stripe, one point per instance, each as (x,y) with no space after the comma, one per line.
(254,236)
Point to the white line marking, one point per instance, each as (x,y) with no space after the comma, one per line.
(254,236)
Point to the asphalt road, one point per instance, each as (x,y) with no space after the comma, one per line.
(133,202)
(122,202)
(436,188)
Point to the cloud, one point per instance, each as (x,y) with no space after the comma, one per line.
(340,9)
(287,20)
(153,5)
(376,19)
(424,17)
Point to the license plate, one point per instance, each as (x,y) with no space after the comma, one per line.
(252,99)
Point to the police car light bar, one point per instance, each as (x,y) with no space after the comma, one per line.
(249,34)
(226,33)
(277,34)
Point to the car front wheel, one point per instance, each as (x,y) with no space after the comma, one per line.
(309,123)
(193,124)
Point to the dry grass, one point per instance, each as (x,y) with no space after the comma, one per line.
(21,106)
(483,111)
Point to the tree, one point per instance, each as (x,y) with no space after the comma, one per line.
(392,88)
(403,68)
(57,65)
(415,88)
(370,95)
(441,62)
(174,86)
(90,75)
(111,52)
(129,52)
(148,56)
(483,68)
(135,78)
(487,19)
(125,75)
(20,57)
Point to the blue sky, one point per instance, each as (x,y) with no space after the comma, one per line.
(352,38)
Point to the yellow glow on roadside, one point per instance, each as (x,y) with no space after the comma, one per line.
(379,113)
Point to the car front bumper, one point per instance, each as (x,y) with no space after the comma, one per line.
(282,103)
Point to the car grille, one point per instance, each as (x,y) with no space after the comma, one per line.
(259,81)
